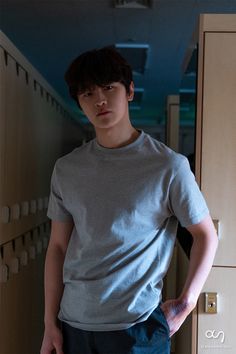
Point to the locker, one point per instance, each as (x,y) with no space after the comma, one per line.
(216,174)
(216,332)
(218,167)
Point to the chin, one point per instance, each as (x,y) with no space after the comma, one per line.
(105,123)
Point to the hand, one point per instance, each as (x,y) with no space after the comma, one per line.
(52,341)
(176,311)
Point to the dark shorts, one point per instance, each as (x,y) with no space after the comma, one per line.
(148,337)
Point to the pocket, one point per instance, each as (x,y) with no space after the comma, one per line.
(165,323)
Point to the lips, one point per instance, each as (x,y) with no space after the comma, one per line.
(103,113)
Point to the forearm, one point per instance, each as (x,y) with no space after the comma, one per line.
(53,284)
(201,260)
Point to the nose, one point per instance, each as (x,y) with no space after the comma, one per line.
(100,99)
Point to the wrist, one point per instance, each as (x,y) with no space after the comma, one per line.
(187,302)
(51,323)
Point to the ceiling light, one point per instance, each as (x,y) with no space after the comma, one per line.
(135,54)
(132,4)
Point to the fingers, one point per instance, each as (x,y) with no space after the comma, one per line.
(174,314)
(59,345)
(54,347)
(58,348)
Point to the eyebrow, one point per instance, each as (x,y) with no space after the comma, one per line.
(91,88)
(80,92)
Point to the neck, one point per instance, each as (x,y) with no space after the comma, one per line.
(114,138)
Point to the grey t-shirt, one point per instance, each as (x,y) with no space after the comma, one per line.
(125,203)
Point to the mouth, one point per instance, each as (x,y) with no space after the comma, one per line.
(103,113)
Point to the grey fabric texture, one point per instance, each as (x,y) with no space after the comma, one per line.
(125,203)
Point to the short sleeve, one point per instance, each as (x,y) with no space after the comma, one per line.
(56,208)
(186,200)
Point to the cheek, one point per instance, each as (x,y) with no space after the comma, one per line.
(88,113)
(85,107)
(123,105)
(121,101)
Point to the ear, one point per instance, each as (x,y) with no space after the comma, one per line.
(131,91)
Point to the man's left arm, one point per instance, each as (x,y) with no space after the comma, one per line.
(202,254)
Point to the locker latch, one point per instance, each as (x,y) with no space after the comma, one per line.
(211,302)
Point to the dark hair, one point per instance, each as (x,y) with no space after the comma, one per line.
(97,67)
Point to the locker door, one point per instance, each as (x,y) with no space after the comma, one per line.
(219,139)
(2,131)
(216,332)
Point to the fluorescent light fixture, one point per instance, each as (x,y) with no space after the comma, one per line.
(187,90)
(138,89)
(132,45)
(136,54)
(134,108)
(132,4)
(138,97)
(184,109)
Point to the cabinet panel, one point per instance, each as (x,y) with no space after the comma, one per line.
(216,332)
(2,126)
(218,170)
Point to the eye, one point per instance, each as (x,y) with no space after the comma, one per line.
(87,94)
(108,87)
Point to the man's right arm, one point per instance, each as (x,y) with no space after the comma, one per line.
(53,283)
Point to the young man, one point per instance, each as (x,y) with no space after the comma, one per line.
(115,204)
